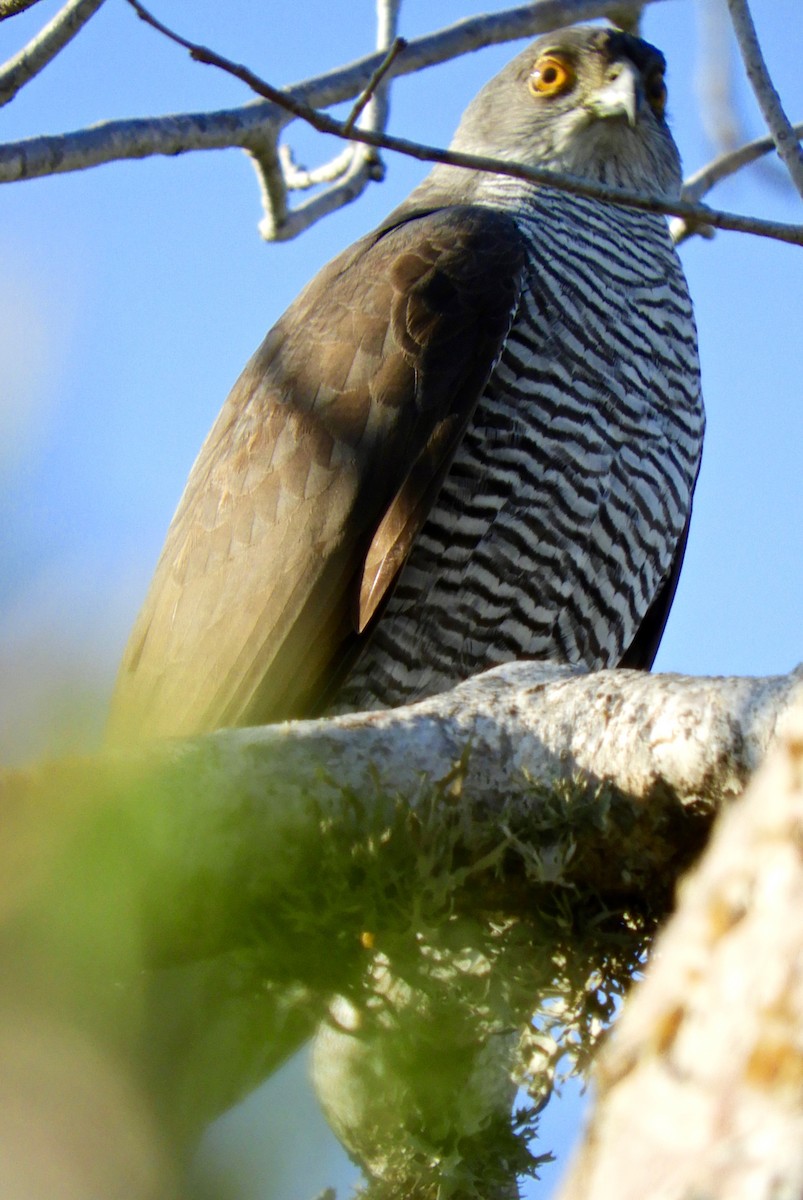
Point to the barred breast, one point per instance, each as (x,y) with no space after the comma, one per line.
(565,506)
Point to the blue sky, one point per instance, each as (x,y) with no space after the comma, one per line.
(132,295)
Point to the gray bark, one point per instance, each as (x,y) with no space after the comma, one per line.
(661,752)
(438,873)
(700,1090)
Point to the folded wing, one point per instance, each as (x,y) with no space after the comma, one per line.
(317,476)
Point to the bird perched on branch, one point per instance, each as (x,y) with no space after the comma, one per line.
(473,437)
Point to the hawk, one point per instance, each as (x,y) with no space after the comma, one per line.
(473,437)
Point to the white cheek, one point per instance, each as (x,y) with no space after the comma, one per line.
(575,136)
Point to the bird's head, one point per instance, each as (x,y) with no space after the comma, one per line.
(586,101)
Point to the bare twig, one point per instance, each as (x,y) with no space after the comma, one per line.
(700,183)
(370,88)
(42,49)
(10,8)
(377,109)
(769,101)
(326,124)
(254,126)
(249,125)
(349,171)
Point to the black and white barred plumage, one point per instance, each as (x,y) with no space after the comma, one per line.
(474,437)
(567,501)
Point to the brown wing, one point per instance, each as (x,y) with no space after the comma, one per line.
(315,479)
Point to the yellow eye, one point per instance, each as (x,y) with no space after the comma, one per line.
(656,93)
(551,76)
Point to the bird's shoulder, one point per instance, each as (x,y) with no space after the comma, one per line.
(395,334)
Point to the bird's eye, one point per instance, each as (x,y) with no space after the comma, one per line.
(551,76)
(656,92)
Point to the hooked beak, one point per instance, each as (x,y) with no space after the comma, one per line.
(621,97)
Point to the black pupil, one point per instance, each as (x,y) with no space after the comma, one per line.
(549,74)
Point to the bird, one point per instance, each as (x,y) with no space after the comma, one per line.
(474,437)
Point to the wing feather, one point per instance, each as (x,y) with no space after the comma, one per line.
(641,652)
(317,476)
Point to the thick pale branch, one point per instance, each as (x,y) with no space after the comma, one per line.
(34,57)
(114,141)
(272,180)
(694,740)
(769,101)
(265,869)
(701,1085)
(666,751)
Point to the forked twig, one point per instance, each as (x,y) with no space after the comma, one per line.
(701,182)
(724,165)
(368,91)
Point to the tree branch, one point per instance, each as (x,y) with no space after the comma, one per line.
(700,1085)
(300,178)
(11,8)
(350,171)
(255,127)
(42,49)
(250,129)
(325,124)
(240,127)
(369,92)
(354,172)
(769,101)
(701,182)
(250,875)
(667,751)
